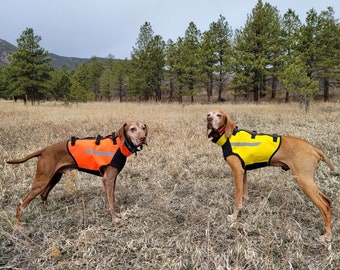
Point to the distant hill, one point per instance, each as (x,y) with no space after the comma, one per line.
(5,49)
(57,61)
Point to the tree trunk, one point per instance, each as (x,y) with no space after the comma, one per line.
(287,97)
(325,90)
(256,93)
(209,87)
(273,88)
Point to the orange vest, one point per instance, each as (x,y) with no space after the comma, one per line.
(92,156)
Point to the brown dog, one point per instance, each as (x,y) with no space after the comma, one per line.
(286,152)
(56,159)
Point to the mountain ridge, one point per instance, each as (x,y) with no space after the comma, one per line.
(57,62)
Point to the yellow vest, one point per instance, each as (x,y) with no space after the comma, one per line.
(254,150)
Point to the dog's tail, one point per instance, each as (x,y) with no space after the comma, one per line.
(325,159)
(21,160)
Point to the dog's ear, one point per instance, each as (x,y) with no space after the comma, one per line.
(146,130)
(121,133)
(230,125)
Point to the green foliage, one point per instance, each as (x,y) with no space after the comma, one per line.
(29,71)
(60,84)
(4,84)
(78,93)
(147,64)
(114,81)
(295,79)
(253,62)
(184,63)
(88,76)
(216,53)
(257,50)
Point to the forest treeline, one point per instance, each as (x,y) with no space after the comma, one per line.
(271,56)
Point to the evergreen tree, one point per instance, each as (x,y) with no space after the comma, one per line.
(60,84)
(4,85)
(29,68)
(172,71)
(328,41)
(191,56)
(88,76)
(216,53)
(94,71)
(290,25)
(307,45)
(257,50)
(184,65)
(296,80)
(78,93)
(114,80)
(147,64)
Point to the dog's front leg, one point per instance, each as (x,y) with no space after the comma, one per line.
(109,181)
(240,182)
(245,188)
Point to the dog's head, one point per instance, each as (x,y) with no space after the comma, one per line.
(217,121)
(134,132)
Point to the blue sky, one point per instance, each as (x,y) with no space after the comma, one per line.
(85,28)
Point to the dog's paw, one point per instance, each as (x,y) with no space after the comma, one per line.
(326,238)
(18,228)
(335,172)
(117,221)
(231,218)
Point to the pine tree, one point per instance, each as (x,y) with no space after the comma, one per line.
(60,84)
(147,64)
(328,41)
(257,50)
(290,25)
(216,54)
(296,80)
(29,70)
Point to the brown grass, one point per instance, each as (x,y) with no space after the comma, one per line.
(174,196)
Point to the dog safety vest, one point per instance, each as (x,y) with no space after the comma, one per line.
(254,150)
(92,154)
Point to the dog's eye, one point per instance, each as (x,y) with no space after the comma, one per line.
(133,129)
(219,115)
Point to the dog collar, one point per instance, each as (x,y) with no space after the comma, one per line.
(218,137)
(128,148)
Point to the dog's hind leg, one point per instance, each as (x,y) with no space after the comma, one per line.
(55,179)
(41,181)
(306,182)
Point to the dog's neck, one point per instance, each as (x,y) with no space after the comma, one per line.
(219,136)
(129,148)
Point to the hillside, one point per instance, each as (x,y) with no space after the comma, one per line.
(5,49)
(57,61)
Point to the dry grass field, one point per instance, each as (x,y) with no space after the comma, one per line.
(174,196)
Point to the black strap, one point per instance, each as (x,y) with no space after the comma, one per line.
(275,137)
(73,140)
(253,134)
(114,138)
(235,130)
(99,137)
